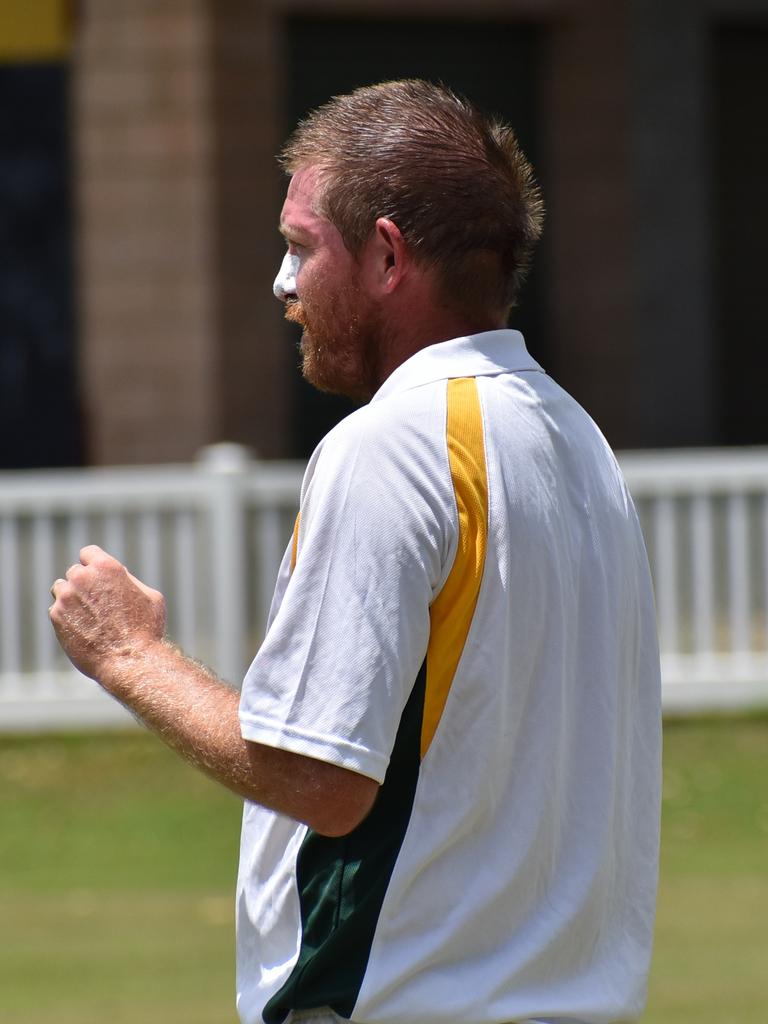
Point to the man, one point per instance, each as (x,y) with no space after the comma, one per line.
(449,740)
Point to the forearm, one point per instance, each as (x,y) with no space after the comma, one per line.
(196,714)
(111,626)
(187,706)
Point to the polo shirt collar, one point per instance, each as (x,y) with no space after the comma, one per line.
(475,355)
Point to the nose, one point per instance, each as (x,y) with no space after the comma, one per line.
(285,282)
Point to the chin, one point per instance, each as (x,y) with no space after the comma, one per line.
(332,380)
(335,367)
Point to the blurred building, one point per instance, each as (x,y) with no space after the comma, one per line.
(139,198)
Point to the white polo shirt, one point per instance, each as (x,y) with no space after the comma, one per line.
(464,615)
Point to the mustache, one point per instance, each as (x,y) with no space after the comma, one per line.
(294,313)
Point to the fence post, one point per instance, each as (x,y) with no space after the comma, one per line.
(226,465)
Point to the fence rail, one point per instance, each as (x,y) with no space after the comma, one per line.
(211,537)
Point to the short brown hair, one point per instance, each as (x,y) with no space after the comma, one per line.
(453,180)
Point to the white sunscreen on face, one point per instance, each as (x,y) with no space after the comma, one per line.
(285,282)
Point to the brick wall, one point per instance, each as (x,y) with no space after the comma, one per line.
(177,192)
(144,158)
(178,108)
(590,211)
(253,361)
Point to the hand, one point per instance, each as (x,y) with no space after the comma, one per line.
(100,612)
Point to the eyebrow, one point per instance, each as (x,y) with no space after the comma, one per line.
(294,231)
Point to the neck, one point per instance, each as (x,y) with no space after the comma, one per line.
(421,332)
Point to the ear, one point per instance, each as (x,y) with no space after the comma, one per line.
(388,256)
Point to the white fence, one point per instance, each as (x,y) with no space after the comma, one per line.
(705,520)
(211,537)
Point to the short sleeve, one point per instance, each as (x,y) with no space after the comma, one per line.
(348,639)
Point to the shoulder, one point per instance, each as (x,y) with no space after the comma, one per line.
(403,434)
(385,468)
(418,411)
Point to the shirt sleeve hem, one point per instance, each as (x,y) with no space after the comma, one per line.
(323,748)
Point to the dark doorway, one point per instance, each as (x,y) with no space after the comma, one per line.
(741,219)
(496,64)
(38,403)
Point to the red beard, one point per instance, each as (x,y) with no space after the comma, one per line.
(339,354)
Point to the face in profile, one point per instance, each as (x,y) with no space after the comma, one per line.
(320,283)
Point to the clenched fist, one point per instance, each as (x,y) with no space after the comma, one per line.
(101,613)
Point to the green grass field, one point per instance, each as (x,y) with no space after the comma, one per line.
(117,868)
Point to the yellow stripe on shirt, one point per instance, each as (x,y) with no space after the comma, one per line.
(452,610)
(295,542)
